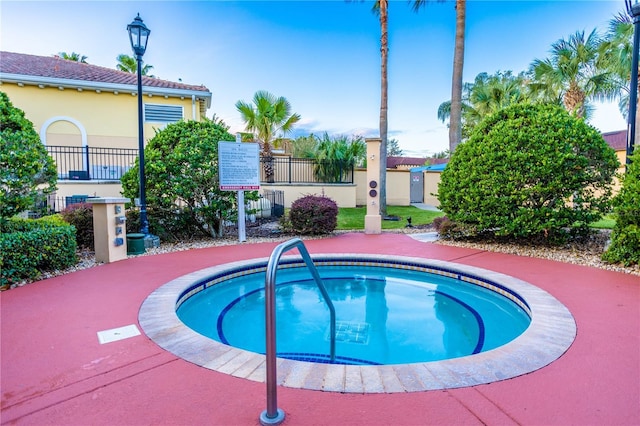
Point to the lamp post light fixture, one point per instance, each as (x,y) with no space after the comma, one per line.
(139,35)
(633,9)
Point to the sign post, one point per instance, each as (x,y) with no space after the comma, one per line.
(238,166)
(242,233)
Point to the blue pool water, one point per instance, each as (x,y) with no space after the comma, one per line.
(384,315)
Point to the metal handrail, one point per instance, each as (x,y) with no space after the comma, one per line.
(273,415)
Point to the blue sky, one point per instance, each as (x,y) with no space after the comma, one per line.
(323,56)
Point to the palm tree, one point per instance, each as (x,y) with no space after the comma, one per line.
(305,146)
(614,55)
(337,155)
(381,8)
(454,111)
(495,92)
(73,56)
(129,64)
(455,121)
(268,118)
(486,95)
(570,73)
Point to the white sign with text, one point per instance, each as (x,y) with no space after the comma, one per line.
(239,166)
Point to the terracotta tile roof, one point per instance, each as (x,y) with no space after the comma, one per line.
(432,161)
(403,162)
(57,68)
(616,140)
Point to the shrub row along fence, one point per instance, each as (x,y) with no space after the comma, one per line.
(48,204)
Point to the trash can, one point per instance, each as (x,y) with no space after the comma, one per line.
(135,244)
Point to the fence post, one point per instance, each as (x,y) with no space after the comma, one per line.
(86,156)
(289,169)
(353,170)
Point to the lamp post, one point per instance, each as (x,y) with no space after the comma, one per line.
(139,35)
(633,9)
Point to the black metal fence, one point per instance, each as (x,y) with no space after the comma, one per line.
(94,163)
(49,204)
(277,201)
(91,163)
(305,170)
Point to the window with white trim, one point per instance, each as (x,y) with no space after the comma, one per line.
(162,113)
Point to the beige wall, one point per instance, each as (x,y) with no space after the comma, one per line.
(398,187)
(109,119)
(622,158)
(431,181)
(96,188)
(360,180)
(343,195)
(91,188)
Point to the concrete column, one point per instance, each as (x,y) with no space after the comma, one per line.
(373,220)
(109,229)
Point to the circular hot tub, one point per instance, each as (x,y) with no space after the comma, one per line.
(427,324)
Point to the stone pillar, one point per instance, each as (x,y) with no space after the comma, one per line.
(109,229)
(373,221)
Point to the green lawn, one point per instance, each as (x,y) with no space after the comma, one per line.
(353,217)
(607,222)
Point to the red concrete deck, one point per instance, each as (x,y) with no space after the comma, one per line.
(54,370)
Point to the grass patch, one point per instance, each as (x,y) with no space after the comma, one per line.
(350,218)
(607,222)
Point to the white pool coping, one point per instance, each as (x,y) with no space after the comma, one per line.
(550,334)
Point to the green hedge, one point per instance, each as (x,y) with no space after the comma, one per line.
(30,247)
(531,172)
(625,238)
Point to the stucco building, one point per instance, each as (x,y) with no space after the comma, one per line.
(87,115)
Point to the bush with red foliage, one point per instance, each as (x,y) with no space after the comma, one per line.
(80,215)
(313,215)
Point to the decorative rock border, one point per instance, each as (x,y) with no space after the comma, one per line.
(550,334)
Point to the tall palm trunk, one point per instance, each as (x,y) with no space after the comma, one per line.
(384,49)
(574,99)
(455,119)
(267,162)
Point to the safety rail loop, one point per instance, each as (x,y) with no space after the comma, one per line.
(273,415)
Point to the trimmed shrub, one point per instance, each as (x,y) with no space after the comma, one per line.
(26,169)
(313,215)
(625,238)
(529,171)
(133,221)
(17,224)
(80,215)
(30,247)
(182,185)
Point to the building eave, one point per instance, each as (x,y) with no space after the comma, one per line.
(203,95)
